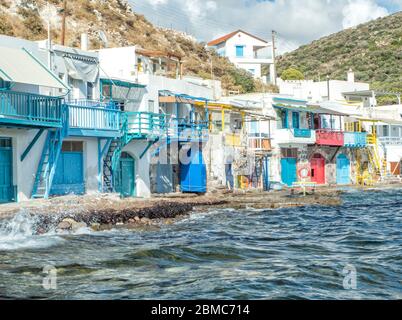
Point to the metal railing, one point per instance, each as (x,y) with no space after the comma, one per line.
(31,108)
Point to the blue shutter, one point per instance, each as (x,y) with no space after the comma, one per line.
(239,51)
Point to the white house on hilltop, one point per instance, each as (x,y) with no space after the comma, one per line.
(246,51)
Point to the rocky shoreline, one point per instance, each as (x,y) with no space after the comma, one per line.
(102,212)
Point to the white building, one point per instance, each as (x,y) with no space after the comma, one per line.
(146,73)
(316,91)
(246,51)
(30,108)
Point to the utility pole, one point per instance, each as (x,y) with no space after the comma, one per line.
(63,23)
(273,68)
(49,38)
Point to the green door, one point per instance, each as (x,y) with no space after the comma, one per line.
(6,171)
(125,176)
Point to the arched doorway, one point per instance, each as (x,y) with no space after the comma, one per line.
(124,179)
(342,169)
(317,163)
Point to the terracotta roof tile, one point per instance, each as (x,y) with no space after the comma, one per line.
(230,35)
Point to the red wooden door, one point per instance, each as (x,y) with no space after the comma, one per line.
(318,169)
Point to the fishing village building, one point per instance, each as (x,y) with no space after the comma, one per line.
(247,52)
(126,121)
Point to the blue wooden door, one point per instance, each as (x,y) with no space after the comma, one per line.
(6,174)
(125,176)
(342,170)
(69,176)
(193,176)
(288,171)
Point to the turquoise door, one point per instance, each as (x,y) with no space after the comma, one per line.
(288,171)
(6,171)
(125,176)
(342,170)
(69,176)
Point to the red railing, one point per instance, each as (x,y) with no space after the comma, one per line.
(329,138)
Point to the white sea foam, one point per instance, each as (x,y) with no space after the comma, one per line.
(19,233)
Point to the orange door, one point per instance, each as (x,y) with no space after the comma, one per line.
(396,168)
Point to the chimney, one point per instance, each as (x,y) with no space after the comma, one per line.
(84,41)
(351,76)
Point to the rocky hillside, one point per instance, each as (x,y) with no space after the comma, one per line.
(28,19)
(373,50)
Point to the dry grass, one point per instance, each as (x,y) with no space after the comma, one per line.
(123,27)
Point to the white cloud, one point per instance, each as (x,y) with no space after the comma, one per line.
(156,3)
(360,11)
(296,21)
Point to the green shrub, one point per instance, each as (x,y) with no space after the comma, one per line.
(292,74)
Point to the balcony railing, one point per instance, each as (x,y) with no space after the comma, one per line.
(145,124)
(90,118)
(183,130)
(329,138)
(233,139)
(371,139)
(294,136)
(355,139)
(92,103)
(390,140)
(260,144)
(302,133)
(28,109)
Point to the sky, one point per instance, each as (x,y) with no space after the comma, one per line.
(297,22)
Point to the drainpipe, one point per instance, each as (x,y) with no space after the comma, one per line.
(328,89)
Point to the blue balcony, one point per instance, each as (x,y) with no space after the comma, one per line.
(21,109)
(91,119)
(302,133)
(144,125)
(185,131)
(355,139)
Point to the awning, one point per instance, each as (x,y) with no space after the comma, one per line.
(123,90)
(81,69)
(166,96)
(20,66)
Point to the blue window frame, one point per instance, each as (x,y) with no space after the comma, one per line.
(239,51)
